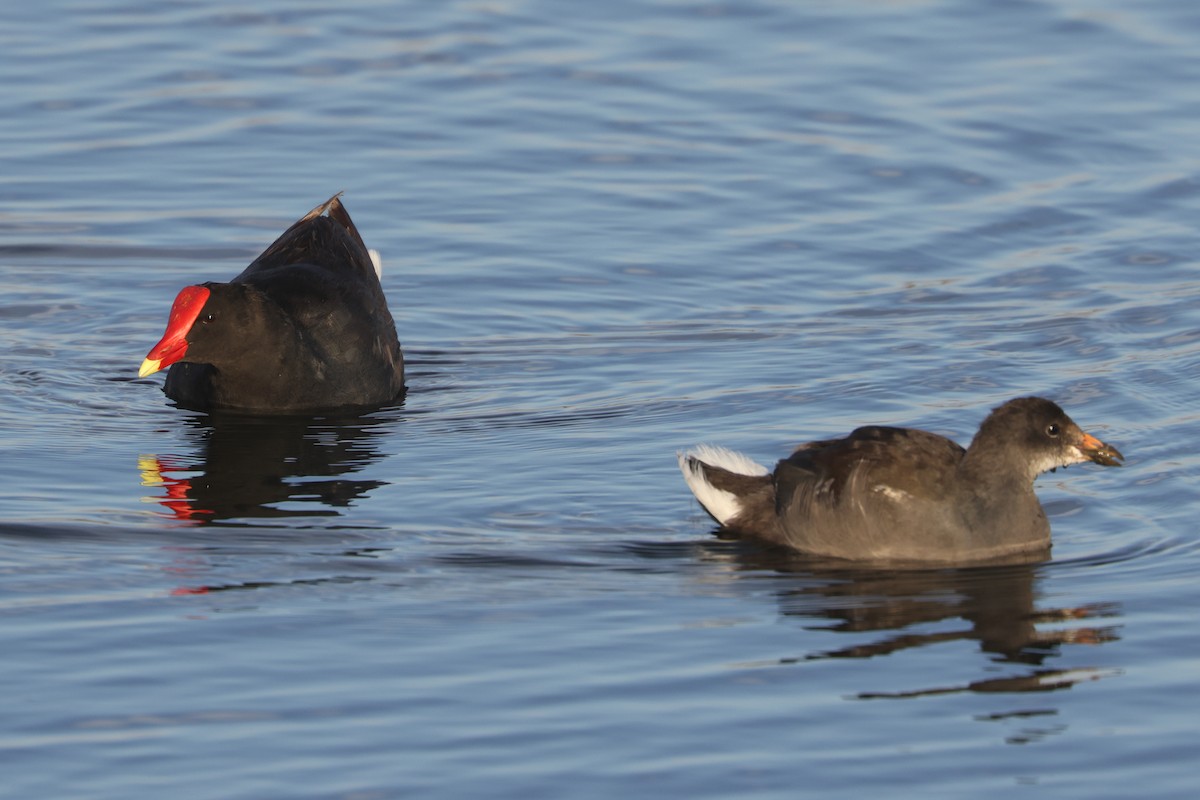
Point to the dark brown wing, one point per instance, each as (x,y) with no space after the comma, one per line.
(320,273)
(904,459)
(325,237)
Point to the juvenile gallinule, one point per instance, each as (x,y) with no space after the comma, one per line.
(304,328)
(898,494)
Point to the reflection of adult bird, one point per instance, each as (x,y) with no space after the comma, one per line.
(255,468)
(901,494)
(305,327)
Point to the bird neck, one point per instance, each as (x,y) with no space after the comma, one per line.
(990,461)
(994,477)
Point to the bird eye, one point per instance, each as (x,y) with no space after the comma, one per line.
(207,318)
(1052,430)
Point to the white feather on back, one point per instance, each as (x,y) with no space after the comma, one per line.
(376,262)
(723,505)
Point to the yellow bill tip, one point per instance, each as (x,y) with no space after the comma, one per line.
(149,367)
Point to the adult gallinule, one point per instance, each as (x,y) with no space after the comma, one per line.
(898,494)
(304,328)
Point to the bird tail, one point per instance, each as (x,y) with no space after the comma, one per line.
(721,478)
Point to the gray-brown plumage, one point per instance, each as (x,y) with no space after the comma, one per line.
(898,494)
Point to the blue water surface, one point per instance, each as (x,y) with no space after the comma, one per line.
(609,231)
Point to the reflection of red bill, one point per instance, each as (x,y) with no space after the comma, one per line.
(176,491)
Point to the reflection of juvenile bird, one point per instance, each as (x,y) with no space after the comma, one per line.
(902,494)
(305,327)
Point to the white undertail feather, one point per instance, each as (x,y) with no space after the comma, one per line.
(376,262)
(723,505)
